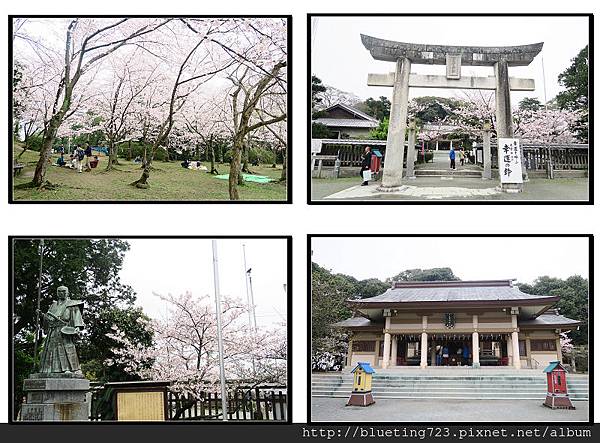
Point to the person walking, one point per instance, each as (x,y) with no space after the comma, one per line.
(365,165)
(461,156)
(452,156)
(445,355)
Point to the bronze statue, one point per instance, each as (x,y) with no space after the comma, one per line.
(63,323)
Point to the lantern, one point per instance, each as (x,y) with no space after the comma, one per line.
(361,387)
(557,396)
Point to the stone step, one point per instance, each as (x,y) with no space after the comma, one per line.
(526,396)
(449,386)
(465,173)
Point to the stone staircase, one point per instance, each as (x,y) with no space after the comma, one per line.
(519,385)
(458,173)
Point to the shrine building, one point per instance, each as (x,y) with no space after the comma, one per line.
(455,323)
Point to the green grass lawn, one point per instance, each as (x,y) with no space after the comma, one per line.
(168,182)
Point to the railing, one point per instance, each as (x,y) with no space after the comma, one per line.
(540,156)
(252,403)
(242,404)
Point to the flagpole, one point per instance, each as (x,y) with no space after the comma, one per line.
(37,312)
(219,331)
(250,306)
(246,274)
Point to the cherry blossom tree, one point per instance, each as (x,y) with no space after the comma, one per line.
(86,43)
(185,349)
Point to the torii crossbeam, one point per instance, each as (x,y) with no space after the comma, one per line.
(406,54)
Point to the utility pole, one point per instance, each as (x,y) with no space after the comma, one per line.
(37,312)
(219,331)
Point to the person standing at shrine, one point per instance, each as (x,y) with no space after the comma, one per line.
(365,165)
(465,354)
(452,158)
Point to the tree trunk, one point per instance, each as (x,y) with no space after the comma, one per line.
(234,169)
(213,170)
(46,151)
(284,170)
(112,155)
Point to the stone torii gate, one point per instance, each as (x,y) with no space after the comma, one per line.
(406,54)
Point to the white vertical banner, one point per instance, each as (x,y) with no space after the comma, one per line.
(509,160)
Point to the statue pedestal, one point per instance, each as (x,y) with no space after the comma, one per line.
(55,398)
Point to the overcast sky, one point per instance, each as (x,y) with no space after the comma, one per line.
(176,266)
(340,59)
(471,258)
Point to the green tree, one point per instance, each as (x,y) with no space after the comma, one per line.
(574,300)
(317,87)
(434,274)
(380,132)
(434,109)
(319,130)
(575,79)
(379,108)
(530,104)
(90,269)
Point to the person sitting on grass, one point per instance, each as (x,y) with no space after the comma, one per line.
(94,162)
(60,161)
(185,164)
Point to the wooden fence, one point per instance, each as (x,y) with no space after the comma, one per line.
(541,156)
(259,403)
(251,404)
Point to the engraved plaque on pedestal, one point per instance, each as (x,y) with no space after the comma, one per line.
(453,66)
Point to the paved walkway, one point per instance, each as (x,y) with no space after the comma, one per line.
(417,410)
(534,190)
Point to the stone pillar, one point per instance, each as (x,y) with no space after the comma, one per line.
(432,354)
(475,344)
(558,348)
(515,350)
(515,343)
(528,350)
(423,350)
(386,350)
(394,351)
(475,350)
(55,399)
(487,150)
(450,144)
(394,151)
(437,145)
(349,361)
(504,125)
(424,343)
(410,150)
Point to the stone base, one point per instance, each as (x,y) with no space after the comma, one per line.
(476,365)
(382,188)
(511,188)
(55,399)
(554,401)
(360,399)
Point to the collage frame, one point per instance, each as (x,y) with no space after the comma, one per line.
(303,160)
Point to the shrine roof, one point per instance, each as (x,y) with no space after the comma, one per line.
(493,292)
(358,322)
(419,53)
(346,122)
(552,319)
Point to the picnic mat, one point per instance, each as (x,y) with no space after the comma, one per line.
(248,178)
